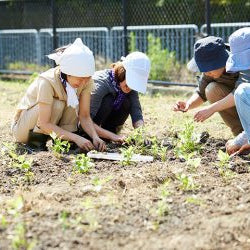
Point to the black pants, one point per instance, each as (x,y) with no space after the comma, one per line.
(110,119)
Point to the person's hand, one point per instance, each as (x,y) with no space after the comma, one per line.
(118,138)
(203,114)
(84,143)
(231,147)
(99,144)
(244,148)
(181,106)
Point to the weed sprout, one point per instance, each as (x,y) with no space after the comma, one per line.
(83,164)
(59,146)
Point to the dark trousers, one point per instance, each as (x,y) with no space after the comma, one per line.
(111,119)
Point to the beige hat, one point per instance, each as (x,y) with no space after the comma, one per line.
(76,60)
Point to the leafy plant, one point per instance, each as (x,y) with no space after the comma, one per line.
(187,183)
(188,141)
(20,162)
(194,200)
(59,146)
(3,222)
(127,154)
(193,163)
(224,166)
(96,181)
(83,164)
(64,219)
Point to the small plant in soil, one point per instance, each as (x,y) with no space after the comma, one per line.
(127,154)
(137,139)
(19,235)
(83,164)
(187,183)
(97,182)
(162,208)
(192,163)
(3,222)
(224,166)
(188,141)
(64,219)
(194,200)
(20,162)
(59,146)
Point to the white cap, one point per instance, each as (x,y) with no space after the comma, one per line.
(76,60)
(137,66)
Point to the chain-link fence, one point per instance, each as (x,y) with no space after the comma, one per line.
(165,29)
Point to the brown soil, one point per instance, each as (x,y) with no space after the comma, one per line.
(121,214)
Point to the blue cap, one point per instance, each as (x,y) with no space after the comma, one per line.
(239,58)
(210,53)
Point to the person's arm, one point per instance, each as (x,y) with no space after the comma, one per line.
(136,111)
(225,103)
(193,102)
(103,133)
(86,121)
(44,115)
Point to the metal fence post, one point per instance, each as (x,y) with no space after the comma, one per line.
(208,17)
(54,23)
(124,21)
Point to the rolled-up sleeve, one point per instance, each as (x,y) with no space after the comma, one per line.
(203,81)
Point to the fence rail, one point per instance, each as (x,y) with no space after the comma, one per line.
(29,46)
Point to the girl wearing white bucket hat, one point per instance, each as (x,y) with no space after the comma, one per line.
(239,61)
(58,100)
(115,95)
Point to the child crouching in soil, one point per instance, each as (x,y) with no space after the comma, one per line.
(58,100)
(239,61)
(215,85)
(115,95)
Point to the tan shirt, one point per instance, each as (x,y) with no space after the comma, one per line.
(44,89)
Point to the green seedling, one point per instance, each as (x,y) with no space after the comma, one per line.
(64,219)
(19,240)
(19,236)
(163,153)
(96,181)
(137,139)
(19,161)
(194,200)
(193,163)
(127,156)
(224,166)
(59,146)
(186,183)
(16,206)
(188,141)
(162,208)
(83,164)
(3,222)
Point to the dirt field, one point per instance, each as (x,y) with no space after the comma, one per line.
(172,204)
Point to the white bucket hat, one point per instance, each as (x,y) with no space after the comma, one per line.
(239,58)
(137,66)
(76,60)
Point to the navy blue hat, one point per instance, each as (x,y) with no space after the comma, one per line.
(209,54)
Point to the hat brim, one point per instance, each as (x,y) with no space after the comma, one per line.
(192,66)
(136,81)
(218,62)
(238,61)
